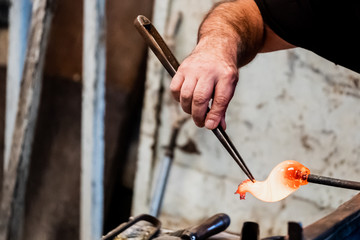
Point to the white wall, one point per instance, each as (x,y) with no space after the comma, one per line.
(288,105)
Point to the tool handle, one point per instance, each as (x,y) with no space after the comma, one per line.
(333,182)
(211,226)
(157,44)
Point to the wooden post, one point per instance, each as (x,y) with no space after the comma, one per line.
(93,108)
(14,184)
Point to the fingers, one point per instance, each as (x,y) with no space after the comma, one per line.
(186,96)
(224,91)
(183,91)
(195,84)
(175,85)
(202,95)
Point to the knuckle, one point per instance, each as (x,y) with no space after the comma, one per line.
(200,99)
(231,74)
(214,114)
(221,101)
(174,89)
(186,96)
(185,66)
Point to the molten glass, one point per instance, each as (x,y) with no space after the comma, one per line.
(283,180)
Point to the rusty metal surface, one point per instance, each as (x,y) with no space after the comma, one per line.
(343,222)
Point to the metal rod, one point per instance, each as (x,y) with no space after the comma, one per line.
(160,186)
(229,146)
(333,182)
(163,175)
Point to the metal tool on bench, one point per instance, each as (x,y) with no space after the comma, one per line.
(155,227)
(163,53)
(206,229)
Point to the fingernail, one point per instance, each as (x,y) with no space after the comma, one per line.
(209,124)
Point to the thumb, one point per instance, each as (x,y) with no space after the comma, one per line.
(216,115)
(224,91)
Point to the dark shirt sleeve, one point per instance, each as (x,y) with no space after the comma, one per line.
(327,27)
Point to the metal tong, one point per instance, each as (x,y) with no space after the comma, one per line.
(163,53)
(156,227)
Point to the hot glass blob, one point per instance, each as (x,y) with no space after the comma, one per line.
(283,180)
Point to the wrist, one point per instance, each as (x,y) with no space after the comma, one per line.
(234,29)
(223,48)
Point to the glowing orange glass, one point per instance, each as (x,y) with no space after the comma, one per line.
(283,180)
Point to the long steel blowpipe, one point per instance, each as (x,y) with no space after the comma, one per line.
(168,60)
(334,182)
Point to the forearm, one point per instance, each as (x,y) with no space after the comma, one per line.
(234,30)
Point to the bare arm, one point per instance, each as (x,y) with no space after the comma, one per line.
(230,36)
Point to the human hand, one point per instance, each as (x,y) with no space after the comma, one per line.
(206,74)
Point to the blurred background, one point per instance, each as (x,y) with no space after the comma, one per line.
(288,105)
(53,186)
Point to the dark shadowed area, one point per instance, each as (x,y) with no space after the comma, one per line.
(53,188)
